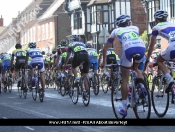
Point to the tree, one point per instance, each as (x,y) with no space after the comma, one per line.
(144,37)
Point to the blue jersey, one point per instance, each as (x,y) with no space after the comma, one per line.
(34,53)
(76,46)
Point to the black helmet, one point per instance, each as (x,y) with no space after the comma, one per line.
(53,51)
(63,42)
(88,45)
(43,52)
(18,46)
(32,45)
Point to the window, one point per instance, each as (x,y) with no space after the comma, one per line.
(78,20)
(34,34)
(39,33)
(46,26)
(172,8)
(51,30)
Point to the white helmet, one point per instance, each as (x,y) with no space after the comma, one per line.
(160,14)
(122,19)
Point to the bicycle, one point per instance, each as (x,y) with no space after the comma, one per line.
(22,87)
(37,86)
(94,81)
(159,94)
(82,89)
(106,82)
(139,96)
(9,81)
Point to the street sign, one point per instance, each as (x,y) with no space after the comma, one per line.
(103,36)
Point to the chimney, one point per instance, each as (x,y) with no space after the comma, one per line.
(1,21)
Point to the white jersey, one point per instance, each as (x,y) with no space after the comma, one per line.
(165,29)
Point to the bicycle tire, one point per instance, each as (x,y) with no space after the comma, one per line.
(41,95)
(155,95)
(62,89)
(85,90)
(19,92)
(143,100)
(75,93)
(103,81)
(116,98)
(96,87)
(70,83)
(58,85)
(34,94)
(24,88)
(10,86)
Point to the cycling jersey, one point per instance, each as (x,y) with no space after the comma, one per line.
(79,55)
(6,60)
(93,58)
(167,31)
(131,44)
(37,58)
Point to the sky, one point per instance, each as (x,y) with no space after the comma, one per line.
(9,9)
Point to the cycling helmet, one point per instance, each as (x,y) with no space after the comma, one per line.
(160,14)
(43,52)
(18,46)
(58,46)
(76,37)
(54,51)
(88,45)
(122,19)
(32,45)
(63,42)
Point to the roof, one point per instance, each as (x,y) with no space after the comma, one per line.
(53,7)
(98,2)
(2,28)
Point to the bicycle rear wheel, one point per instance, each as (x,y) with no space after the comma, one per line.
(9,86)
(34,93)
(160,99)
(58,86)
(85,90)
(19,92)
(116,98)
(24,88)
(96,84)
(142,109)
(74,93)
(104,83)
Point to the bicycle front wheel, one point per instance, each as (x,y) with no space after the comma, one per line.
(142,109)
(10,86)
(34,93)
(104,83)
(96,84)
(160,99)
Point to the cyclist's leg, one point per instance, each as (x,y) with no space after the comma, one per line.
(42,75)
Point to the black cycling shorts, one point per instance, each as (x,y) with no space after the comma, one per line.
(20,61)
(111,59)
(79,57)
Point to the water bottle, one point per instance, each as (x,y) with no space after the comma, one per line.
(129,91)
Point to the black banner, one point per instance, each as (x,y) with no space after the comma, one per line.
(86,122)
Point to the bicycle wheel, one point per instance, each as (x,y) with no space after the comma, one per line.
(142,109)
(62,89)
(58,86)
(96,84)
(9,86)
(160,99)
(116,98)
(74,93)
(19,92)
(24,88)
(34,93)
(41,95)
(146,81)
(104,83)
(70,85)
(85,90)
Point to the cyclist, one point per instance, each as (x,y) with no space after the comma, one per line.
(93,57)
(78,48)
(128,36)
(166,30)
(20,55)
(1,68)
(37,58)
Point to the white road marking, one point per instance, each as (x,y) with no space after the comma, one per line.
(4,117)
(29,128)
